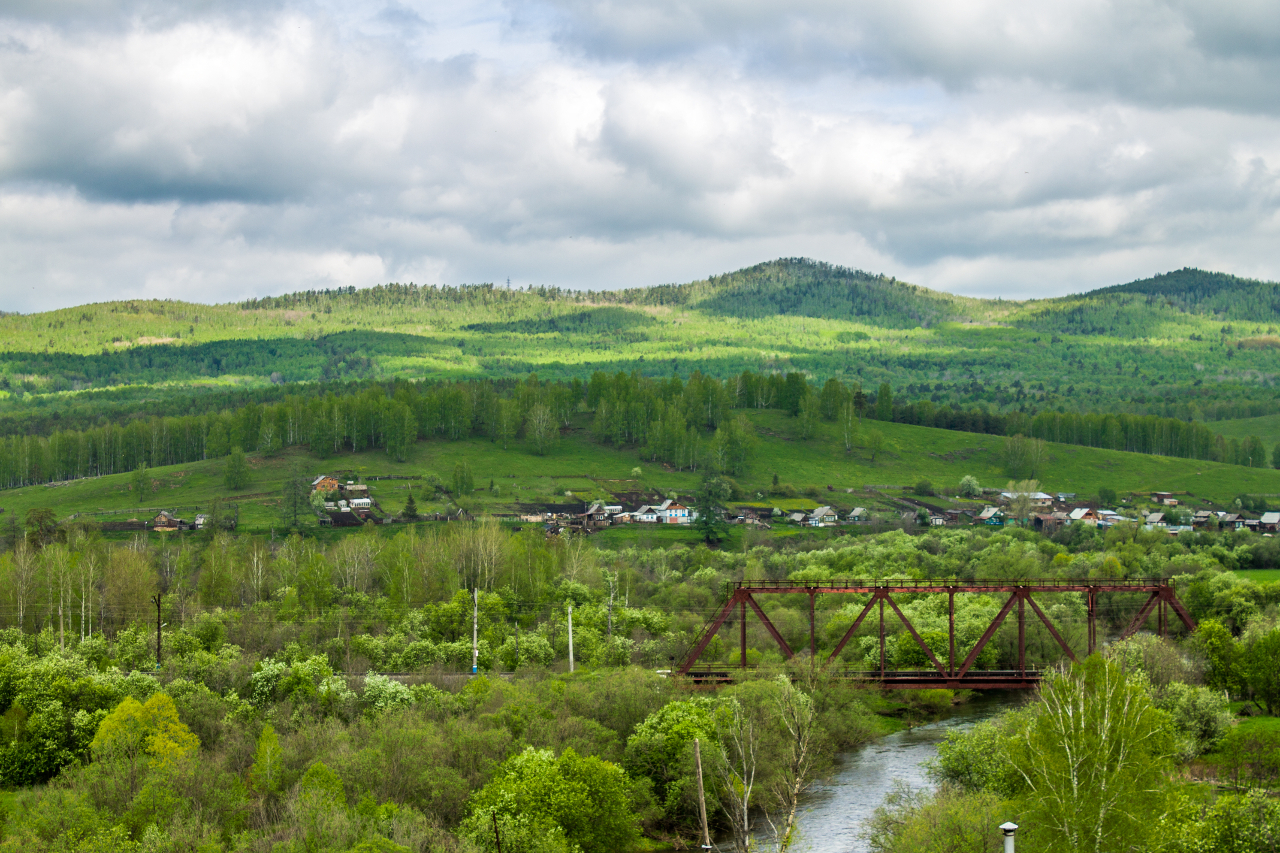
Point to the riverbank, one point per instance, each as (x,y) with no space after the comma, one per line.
(833,811)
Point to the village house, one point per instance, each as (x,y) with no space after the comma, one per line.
(1156,519)
(675,513)
(324,484)
(646,515)
(858,515)
(200,521)
(1039,500)
(167,521)
(1230,520)
(797,517)
(1270,522)
(596,516)
(991,516)
(1045,522)
(1084,515)
(823,516)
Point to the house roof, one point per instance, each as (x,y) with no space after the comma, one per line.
(1035,496)
(1080,512)
(1270,518)
(821,512)
(857,511)
(989,512)
(318,480)
(1155,518)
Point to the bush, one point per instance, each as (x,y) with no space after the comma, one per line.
(530,650)
(544,800)
(381,693)
(1200,715)
(924,487)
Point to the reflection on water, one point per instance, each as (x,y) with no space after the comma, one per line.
(832,814)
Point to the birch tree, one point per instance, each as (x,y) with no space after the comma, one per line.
(1095,757)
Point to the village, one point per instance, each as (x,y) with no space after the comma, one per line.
(337,502)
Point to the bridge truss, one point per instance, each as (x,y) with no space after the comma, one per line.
(1161,600)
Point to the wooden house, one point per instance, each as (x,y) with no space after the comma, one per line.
(167,521)
(324,484)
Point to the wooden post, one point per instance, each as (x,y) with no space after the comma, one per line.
(497,839)
(702,799)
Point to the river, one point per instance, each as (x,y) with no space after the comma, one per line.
(832,813)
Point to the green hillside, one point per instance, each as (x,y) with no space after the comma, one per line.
(590,471)
(1266,427)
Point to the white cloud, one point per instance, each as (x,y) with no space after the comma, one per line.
(995,147)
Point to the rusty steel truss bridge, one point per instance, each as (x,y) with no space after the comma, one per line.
(1160,599)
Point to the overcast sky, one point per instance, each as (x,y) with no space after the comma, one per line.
(216,150)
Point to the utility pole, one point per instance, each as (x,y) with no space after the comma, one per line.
(571,636)
(156,599)
(702,798)
(475,630)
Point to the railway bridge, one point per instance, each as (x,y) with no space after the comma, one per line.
(1160,601)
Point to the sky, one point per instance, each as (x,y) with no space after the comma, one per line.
(214,150)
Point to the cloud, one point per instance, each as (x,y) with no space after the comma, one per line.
(232,149)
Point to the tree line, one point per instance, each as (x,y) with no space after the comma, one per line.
(693,423)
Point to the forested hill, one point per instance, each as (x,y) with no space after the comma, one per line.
(1140,308)
(802,287)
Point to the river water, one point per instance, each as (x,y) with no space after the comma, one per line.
(832,813)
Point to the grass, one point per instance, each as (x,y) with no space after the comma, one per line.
(1266,428)
(1260,575)
(589,471)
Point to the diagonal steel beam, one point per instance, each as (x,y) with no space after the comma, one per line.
(1052,630)
(786,650)
(848,635)
(1140,619)
(710,632)
(1172,598)
(987,635)
(919,641)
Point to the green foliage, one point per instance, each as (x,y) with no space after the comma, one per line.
(267,775)
(1233,824)
(977,759)
(463,480)
(235,473)
(581,798)
(1260,668)
(1200,714)
(1094,756)
(947,820)
(1221,654)
(969,486)
(661,750)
